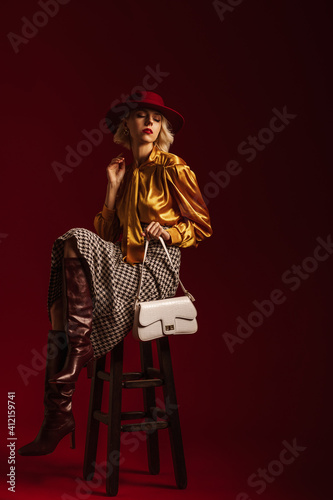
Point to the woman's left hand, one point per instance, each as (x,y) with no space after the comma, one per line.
(154,231)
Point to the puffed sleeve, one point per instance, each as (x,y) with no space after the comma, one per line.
(193,224)
(107,224)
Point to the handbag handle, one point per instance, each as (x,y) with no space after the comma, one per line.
(186,292)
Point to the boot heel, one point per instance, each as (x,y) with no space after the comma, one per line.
(72,439)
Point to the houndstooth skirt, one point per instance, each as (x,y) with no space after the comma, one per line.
(113,283)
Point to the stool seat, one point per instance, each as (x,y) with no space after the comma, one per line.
(154,418)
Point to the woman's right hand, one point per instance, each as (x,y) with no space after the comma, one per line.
(115,171)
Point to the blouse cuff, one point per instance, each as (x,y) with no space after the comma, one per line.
(176,237)
(108,214)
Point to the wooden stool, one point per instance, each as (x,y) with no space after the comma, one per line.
(155,418)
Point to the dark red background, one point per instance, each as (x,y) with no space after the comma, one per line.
(225,77)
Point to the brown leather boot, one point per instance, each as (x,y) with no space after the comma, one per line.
(79,322)
(58,417)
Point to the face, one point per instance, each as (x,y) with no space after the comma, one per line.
(144,125)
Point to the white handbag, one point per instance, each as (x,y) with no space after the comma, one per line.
(159,318)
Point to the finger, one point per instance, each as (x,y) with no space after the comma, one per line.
(146,234)
(154,234)
(150,231)
(153,223)
(155,229)
(116,163)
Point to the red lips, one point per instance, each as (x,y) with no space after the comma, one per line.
(147,131)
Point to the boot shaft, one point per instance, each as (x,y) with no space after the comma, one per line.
(79,303)
(57,397)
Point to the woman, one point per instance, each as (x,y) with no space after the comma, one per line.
(94,277)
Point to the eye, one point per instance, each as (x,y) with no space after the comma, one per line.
(156,120)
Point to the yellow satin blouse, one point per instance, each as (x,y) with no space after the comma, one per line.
(162,189)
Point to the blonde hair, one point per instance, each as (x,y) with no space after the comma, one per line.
(163,142)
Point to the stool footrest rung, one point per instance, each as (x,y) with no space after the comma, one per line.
(158,412)
(103,375)
(141,384)
(101,416)
(133,380)
(144,426)
(152,417)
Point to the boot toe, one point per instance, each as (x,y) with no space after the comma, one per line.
(31,450)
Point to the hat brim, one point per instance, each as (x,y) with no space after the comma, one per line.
(115,115)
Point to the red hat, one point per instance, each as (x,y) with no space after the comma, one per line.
(143,100)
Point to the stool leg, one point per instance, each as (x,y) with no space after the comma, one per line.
(171,407)
(114,422)
(149,401)
(95,403)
